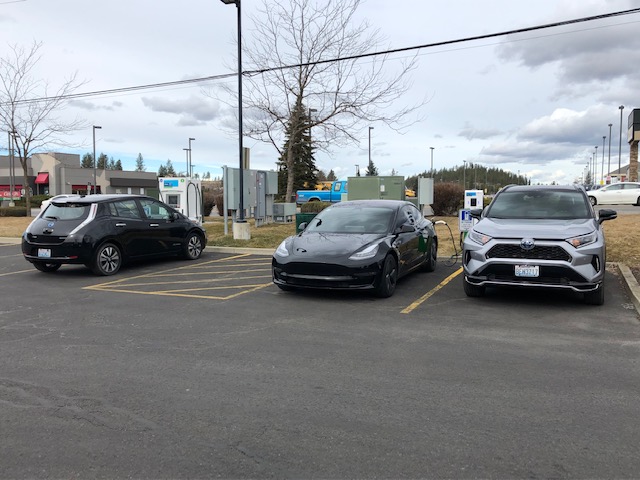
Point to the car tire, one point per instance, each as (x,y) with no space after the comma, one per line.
(638,202)
(593,201)
(47,267)
(472,290)
(193,246)
(107,260)
(432,260)
(595,297)
(388,277)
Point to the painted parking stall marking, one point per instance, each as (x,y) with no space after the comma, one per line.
(220,279)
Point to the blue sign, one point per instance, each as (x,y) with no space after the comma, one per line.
(170,183)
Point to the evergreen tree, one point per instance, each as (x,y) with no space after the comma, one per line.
(162,171)
(371,171)
(322,177)
(87,161)
(118,165)
(331,176)
(111,165)
(170,170)
(102,162)
(305,173)
(140,164)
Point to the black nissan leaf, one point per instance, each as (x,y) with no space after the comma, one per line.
(104,231)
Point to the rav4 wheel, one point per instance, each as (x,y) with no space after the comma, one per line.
(595,297)
(46,267)
(472,290)
(107,260)
(193,246)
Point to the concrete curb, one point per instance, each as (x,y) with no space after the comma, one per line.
(631,284)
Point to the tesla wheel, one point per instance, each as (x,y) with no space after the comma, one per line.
(595,297)
(472,290)
(193,246)
(46,267)
(432,260)
(389,277)
(107,260)
(593,200)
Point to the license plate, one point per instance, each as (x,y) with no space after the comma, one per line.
(529,271)
(44,253)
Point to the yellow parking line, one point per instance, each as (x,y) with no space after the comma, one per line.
(208,297)
(422,299)
(146,284)
(208,272)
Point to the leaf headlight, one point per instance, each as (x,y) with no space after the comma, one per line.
(367,253)
(583,240)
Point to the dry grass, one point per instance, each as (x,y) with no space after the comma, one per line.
(622,235)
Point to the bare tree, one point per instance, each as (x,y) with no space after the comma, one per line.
(323,42)
(29,107)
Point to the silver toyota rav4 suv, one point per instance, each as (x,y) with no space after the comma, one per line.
(537,236)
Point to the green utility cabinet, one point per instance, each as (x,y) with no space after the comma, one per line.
(367,188)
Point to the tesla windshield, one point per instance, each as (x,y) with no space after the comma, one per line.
(352,220)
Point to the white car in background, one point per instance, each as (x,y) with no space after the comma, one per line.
(621,193)
(45,203)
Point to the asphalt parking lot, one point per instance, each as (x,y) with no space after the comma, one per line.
(205,369)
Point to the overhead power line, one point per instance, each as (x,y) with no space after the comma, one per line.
(150,86)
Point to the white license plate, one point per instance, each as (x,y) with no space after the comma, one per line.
(529,271)
(44,253)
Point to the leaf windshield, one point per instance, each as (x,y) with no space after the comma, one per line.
(539,204)
(352,220)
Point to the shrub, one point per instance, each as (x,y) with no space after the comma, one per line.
(448,198)
(13,211)
(208,202)
(219,203)
(314,207)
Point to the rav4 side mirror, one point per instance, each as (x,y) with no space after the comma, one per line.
(606,214)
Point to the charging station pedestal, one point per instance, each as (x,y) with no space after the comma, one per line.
(184,194)
(473,199)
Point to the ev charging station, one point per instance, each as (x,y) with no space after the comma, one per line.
(472,199)
(184,194)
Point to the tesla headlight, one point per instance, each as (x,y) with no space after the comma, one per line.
(282,251)
(583,240)
(367,253)
(478,237)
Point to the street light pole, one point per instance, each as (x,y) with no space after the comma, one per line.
(595,166)
(95,160)
(190,166)
(621,107)
(431,161)
(370,169)
(187,152)
(11,170)
(604,137)
(609,166)
(240,218)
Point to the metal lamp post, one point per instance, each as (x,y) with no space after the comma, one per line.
(604,137)
(595,166)
(190,166)
(609,165)
(95,160)
(621,107)
(186,150)
(12,172)
(370,128)
(240,218)
(431,161)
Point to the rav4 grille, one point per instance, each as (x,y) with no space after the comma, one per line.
(537,253)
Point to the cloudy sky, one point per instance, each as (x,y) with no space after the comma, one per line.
(535,103)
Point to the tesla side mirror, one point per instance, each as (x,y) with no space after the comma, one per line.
(606,214)
(406,228)
(302,226)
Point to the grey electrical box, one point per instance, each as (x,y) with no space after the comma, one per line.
(284,212)
(366,188)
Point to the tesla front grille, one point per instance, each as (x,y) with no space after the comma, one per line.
(537,253)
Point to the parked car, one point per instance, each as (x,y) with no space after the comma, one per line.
(356,245)
(333,194)
(621,193)
(537,236)
(105,231)
(45,203)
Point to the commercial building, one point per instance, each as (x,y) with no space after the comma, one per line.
(58,173)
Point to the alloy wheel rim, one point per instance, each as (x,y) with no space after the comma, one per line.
(194,246)
(109,259)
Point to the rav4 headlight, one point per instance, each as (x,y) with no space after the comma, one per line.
(282,251)
(583,240)
(367,253)
(478,237)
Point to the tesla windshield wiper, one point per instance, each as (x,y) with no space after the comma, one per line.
(52,218)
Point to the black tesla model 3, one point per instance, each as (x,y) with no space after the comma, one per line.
(360,244)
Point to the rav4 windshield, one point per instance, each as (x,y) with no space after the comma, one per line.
(536,204)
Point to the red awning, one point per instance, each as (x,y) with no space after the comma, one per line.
(42,178)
